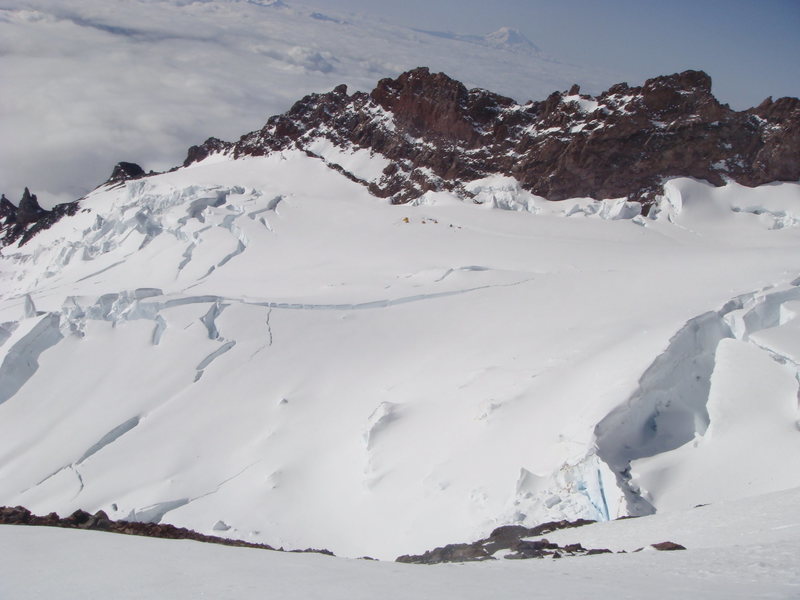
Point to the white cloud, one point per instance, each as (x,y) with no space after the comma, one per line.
(87,83)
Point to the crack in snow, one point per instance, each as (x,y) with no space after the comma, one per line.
(241,246)
(109,438)
(108,268)
(80,481)
(225,481)
(158,330)
(210,318)
(211,358)
(187,255)
(22,359)
(460,269)
(669,408)
(269,327)
(387,302)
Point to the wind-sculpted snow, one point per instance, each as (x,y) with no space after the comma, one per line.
(263,343)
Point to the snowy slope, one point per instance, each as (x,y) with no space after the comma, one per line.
(734,550)
(259,348)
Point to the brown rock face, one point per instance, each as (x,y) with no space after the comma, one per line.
(198,153)
(668,546)
(433,105)
(510,538)
(438,135)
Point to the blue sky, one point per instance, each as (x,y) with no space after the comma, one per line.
(750,48)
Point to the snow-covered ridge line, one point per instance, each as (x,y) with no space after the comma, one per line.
(425,132)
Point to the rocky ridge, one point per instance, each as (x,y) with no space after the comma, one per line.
(433,134)
(438,135)
(25,220)
(99,521)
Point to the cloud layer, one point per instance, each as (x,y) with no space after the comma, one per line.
(88,83)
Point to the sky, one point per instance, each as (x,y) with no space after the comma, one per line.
(89,83)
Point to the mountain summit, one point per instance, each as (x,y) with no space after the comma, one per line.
(508,37)
(437,135)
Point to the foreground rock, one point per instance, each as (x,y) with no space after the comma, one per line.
(99,521)
(511,538)
(512,542)
(667,546)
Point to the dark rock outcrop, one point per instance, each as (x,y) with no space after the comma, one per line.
(510,538)
(210,146)
(439,135)
(21,223)
(124,171)
(516,540)
(99,521)
(29,210)
(668,546)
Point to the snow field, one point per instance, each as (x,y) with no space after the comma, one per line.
(260,342)
(736,549)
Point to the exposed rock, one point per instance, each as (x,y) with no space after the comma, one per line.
(29,210)
(450,553)
(26,220)
(438,135)
(7,209)
(667,546)
(99,521)
(533,549)
(507,537)
(555,526)
(124,171)
(211,146)
(312,551)
(516,539)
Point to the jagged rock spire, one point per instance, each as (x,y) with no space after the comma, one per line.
(26,220)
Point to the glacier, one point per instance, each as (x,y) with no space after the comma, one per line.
(260,342)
